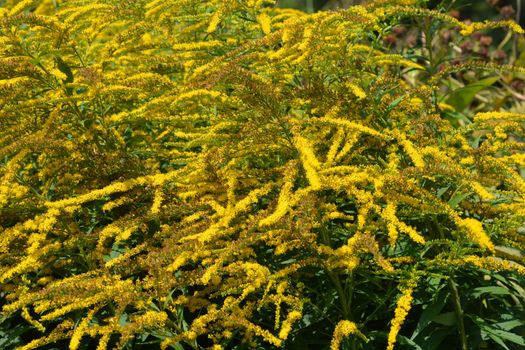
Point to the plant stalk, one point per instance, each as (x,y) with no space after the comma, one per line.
(310,6)
(459,314)
(455,294)
(336,281)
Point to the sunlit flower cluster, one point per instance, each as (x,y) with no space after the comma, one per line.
(183,169)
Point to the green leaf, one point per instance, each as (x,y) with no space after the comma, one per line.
(434,340)
(123,319)
(461,98)
(401,339)
(454,201)
(442,191)
(457,119)
(116,251)
(508,325)
(496,339)
(431,311)
(493,290)
(394,103)
(446,319)
(497,335)
(288,262)
(64,68)
(516,339)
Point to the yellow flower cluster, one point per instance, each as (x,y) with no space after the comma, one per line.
(286,326)
(476,233)
(286,197)
(80,329)
(9,188)
(192,166)
(486,116)
(356,90)
(343,329)
(309,161)
(492,263)
(468,29)
(403,305)
(393,224)
(116,187)
(266,23)
(27,316)
(480,190)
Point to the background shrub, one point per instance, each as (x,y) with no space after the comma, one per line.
(226,174)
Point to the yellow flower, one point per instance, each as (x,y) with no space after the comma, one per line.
(411,232)
(414,155)
(214,22)
(80,330)
(13,82)
(286,326)
(354,127)
(180,260)
(59,74)
(416,103)
(30,319)
(486,116)
(389,214)
(446,107)
(468,29)
(265,21)
(309,161)
(403,305)
(103,342)
(356,90)
(467,160)
(394,224)
(157,201)
(151,318)
(480,190)
(493,264)
(27,264)
(286,198)
(336,143)
(147,39)
(350,141)
(476,233)
(21,6)
(343,329)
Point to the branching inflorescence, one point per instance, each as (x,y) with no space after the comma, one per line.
(179,168)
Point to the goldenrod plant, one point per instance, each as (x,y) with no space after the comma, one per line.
(186,174)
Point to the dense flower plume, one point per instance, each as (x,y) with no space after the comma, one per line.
(188,170)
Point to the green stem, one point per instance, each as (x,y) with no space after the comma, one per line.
(459,314)
(378,307)
(455,295)
(336,281)
(428,44)
(514,56)
(310,6)
(344,302)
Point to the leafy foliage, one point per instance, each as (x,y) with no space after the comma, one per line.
(226,174)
